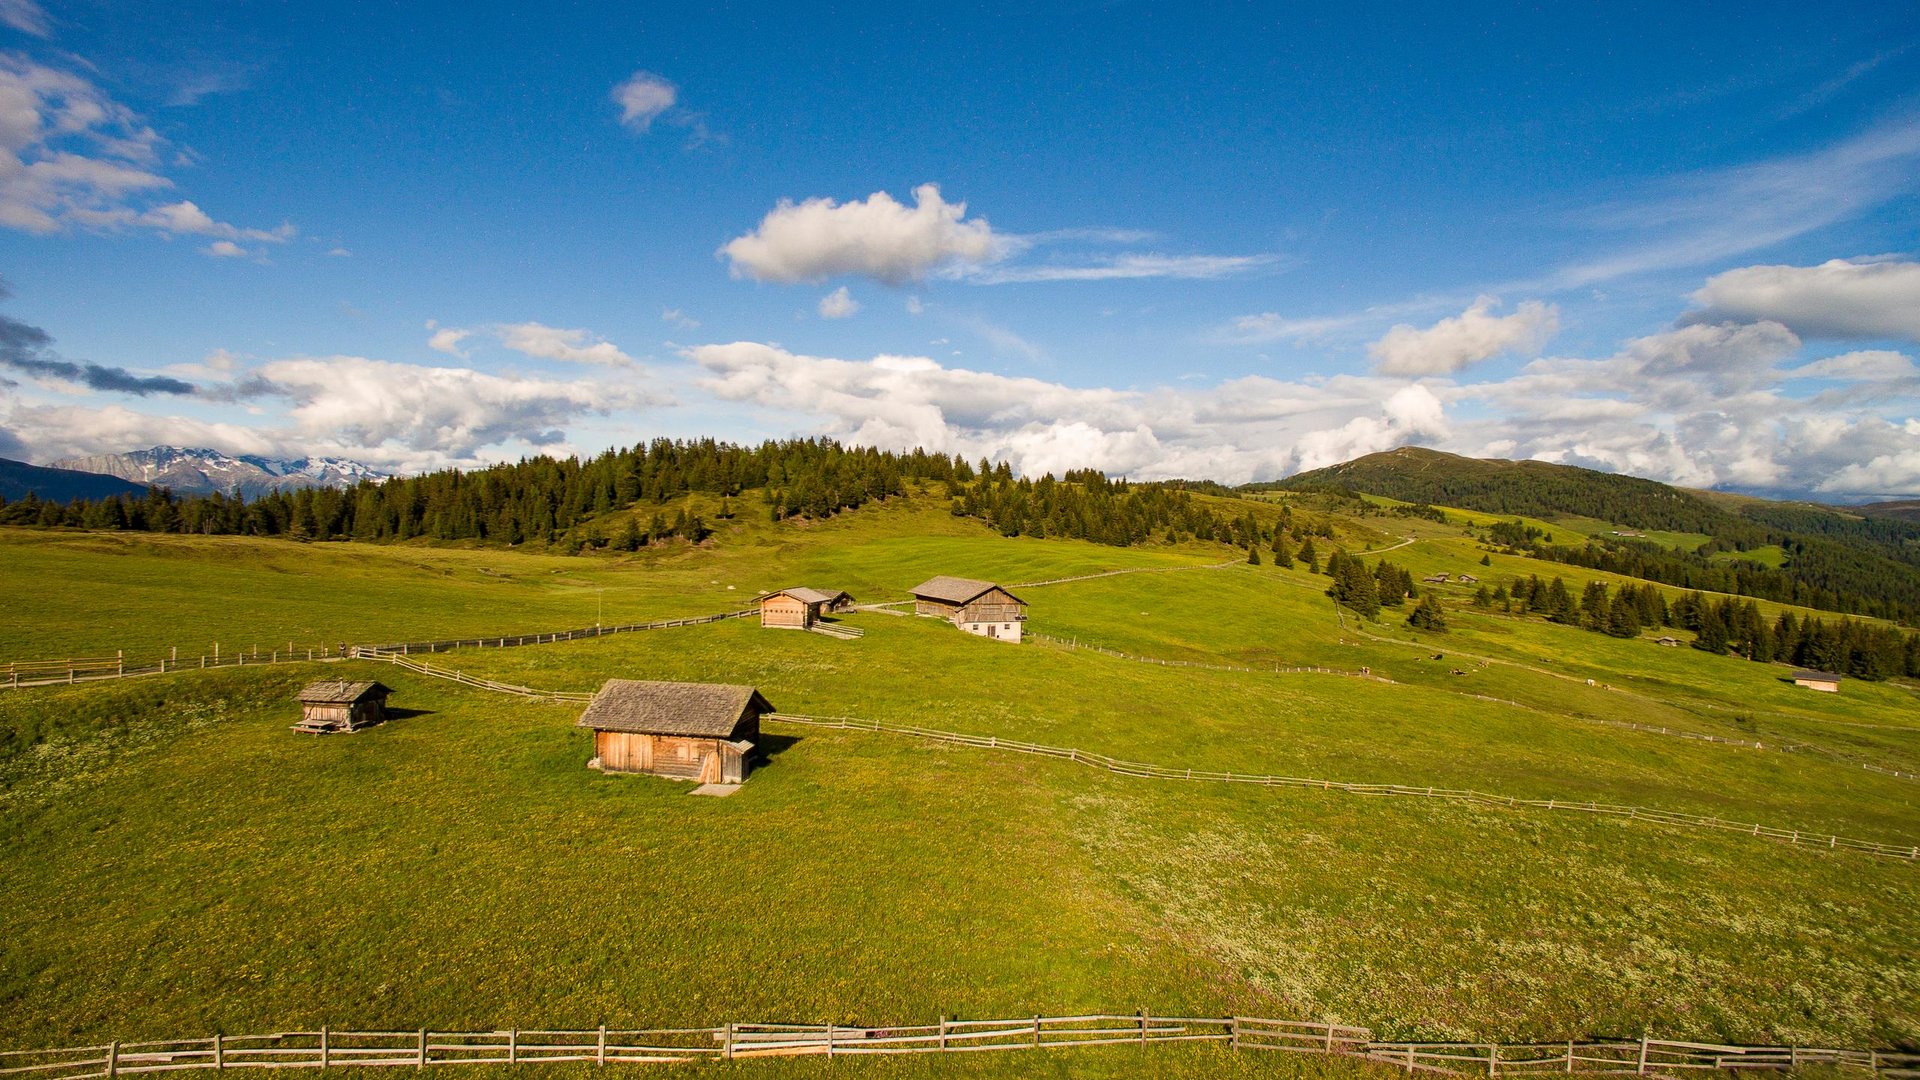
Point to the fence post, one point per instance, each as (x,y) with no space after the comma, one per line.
(1233,1025)
(423,1050)
(1143,1027)
(1642,1070)
(726,1045)
(513,1046)
(1569,1055)
(325,1055)
(219,1051)
(600,1047)
(119,661)
(113,1059)
(1493,1060)
(829,1039)
(943,1031)
(1329,1038)
(1036,1031)
(1409,1059)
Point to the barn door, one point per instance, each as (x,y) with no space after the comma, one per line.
(710,767)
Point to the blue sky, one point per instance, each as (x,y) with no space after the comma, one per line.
(1675,240)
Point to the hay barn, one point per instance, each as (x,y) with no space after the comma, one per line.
(799,609)
(978,607)
(333,705)
(687,731)
(1824,681)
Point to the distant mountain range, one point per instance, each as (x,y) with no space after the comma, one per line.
(18,479)
(200,471)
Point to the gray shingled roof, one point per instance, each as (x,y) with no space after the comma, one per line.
(955,590)
(805,596)
(1818,676)
(704,710)
(336,692)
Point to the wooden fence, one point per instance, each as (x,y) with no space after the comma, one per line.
(20,674)
(362,652)
(1798,837)
(327,1048)
(1273,669)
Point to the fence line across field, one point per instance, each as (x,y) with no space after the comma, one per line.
(21,674)
(1798,837)
(420,1048)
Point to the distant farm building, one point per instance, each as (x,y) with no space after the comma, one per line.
(1437,579)
(978,607)
(1669,642)
(1824,681)
(687,731)
(1467,579)
(332,705)
(799,609)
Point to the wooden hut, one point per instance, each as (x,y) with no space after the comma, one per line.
(334,705)
(799,609)
(1824,681)
(978,607)
(687,731)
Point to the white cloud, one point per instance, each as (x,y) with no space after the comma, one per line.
(915,306)
(1842,298)
(875,237)
(1122,267)
(225,249)
(838,304)
(1248,429)
(1465,339)
(1695,219)
(447,339)
(1872,365)
(339,252)
(643,97)
(71,156)
(553,343)
(679,318)
(26,17)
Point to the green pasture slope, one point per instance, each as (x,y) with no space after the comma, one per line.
(174,861)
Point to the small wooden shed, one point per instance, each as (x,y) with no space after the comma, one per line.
(978,607)
(1824,681)
(335,705)
(799,609)
(687,731)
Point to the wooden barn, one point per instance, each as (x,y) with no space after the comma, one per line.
(978,607)
(687,731)
(799,609)
(1823,681)
(333,705)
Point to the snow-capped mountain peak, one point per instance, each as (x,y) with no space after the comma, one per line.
(202,470)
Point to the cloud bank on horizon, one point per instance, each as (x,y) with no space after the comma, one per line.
(1746,322)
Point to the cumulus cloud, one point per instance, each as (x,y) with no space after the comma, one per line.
(1247,429)
(1124,267)
(838,304)
(876,237)
(71,156)
(679,318)
(1464,339)
(447,339)
(553,343)
(225,249)
(1841,298)
(1872,365)
(642,97)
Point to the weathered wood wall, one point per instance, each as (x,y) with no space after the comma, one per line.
(785,611)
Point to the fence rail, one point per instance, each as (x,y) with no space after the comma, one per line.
(362,652)
(1271,669)
(21,674)
(1797,837)
(327,1048)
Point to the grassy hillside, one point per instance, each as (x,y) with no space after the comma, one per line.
(177,861)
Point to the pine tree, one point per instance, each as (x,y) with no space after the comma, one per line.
(1428,615)
(1623,617)
(1282,558)
(1253,554)
(1309,556)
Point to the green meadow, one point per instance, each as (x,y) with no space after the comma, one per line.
(174,861)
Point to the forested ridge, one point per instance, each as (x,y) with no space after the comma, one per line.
(573,504)
(1834,561)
